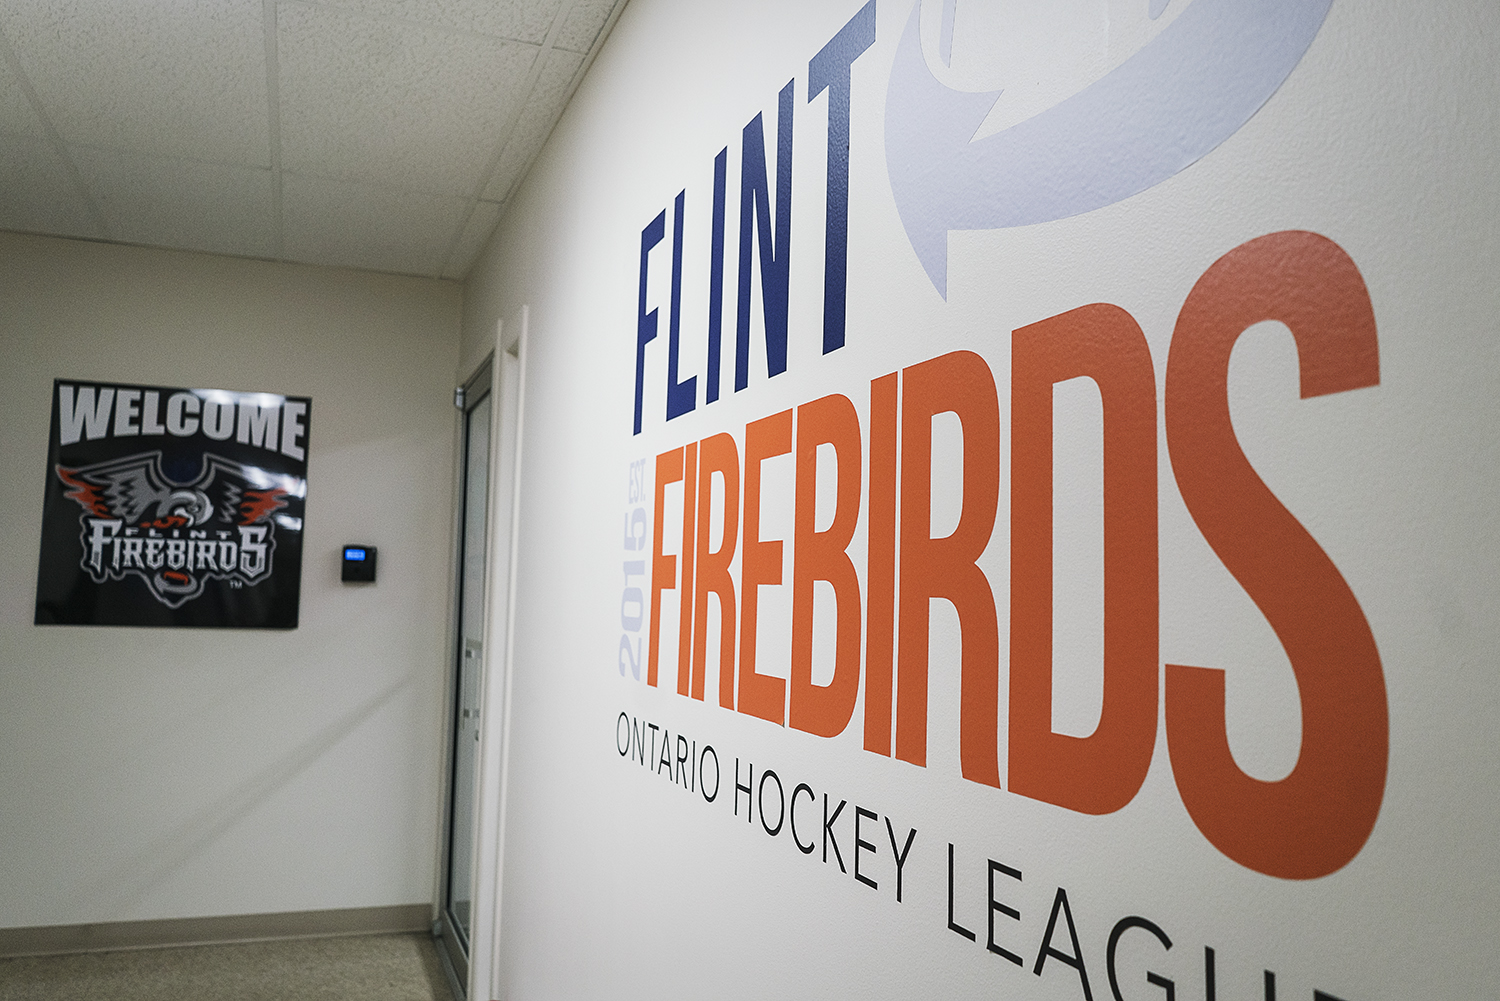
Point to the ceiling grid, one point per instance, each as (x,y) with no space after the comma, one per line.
(54,142)
(527,90)
(378,134)
(273,120)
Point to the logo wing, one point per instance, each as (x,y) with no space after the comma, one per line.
(240,495)
(126,488)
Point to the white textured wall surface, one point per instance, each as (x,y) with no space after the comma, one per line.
(619,883)
(153,773)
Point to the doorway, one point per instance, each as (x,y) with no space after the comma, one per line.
(456,914)
(487,492)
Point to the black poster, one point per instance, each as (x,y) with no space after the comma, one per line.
(173,507)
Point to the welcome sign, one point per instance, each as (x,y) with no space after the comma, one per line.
(1024,540)
(173,507)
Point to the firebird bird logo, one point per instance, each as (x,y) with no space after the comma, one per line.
(176,536)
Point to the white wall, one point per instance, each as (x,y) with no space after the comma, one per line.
(150,773)
(619,883)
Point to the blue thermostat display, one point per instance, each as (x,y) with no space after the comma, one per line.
(359,565)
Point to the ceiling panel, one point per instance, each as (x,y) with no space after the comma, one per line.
(471,241)
(367,226)
(16,116)
(168,77)
(382,134)
(521,20)
(37,193)
(583,23)
(393,103)
(220,208)
(535,124)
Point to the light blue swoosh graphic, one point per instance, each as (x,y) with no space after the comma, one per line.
(1180,96)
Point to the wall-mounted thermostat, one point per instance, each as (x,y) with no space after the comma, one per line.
(359,564)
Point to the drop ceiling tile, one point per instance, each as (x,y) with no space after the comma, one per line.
(536,122)
(391,103)
(329,221)
(165,78)
(476,234)
(521,20)
(37,194)
(17,118)
(218,208)
(583,24)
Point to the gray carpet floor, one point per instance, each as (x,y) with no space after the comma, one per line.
(360,968)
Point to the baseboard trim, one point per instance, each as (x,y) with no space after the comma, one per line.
(115,935)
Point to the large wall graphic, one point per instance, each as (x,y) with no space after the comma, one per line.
(1028,434)
(1171,103)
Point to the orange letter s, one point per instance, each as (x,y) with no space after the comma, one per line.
(1315,820)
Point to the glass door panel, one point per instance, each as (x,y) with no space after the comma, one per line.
(468,687)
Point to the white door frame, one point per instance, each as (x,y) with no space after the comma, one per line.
(509,391)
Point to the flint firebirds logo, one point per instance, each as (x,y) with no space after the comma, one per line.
(175,537)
